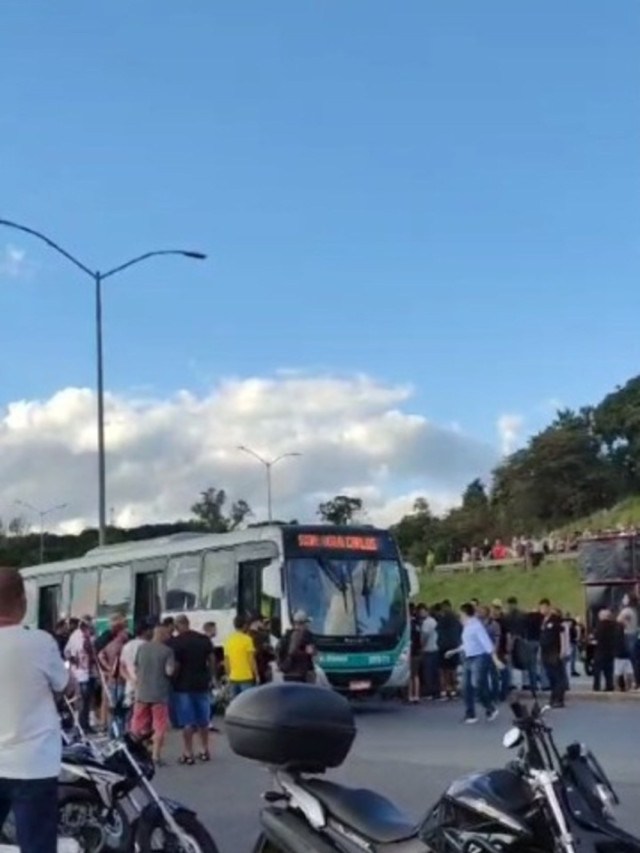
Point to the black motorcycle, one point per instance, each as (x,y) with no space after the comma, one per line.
(543,801)
(538,804)
(107,802)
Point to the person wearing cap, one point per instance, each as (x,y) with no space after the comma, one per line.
(296,651)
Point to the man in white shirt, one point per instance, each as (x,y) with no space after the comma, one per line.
(80,654)
(32,671)
(144,632)
(478,651)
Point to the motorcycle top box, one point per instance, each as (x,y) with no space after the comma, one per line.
(301,728)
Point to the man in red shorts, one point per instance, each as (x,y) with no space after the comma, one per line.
(155,665)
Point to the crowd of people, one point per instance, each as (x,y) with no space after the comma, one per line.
(167,674)
(531,549)
(482,652)
(616,647)
(485,652)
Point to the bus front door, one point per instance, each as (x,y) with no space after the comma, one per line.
(49,607)
(148,601)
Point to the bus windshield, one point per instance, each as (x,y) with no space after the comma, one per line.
(348,597)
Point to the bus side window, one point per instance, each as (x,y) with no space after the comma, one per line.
(182,583)
(84,595)
(115,590)
(31,591)
(219,580)
(250,587)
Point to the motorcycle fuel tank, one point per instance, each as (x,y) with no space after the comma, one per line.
(500,797)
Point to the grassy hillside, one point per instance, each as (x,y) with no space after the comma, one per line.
(556,581)
(626,513)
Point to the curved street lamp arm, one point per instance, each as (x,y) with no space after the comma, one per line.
(9,224)
(27,505)
(284,456)
(255,455)
(196,255)
(55,508)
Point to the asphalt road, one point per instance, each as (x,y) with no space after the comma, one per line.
(409,754)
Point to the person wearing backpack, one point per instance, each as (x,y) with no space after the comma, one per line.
(296,651)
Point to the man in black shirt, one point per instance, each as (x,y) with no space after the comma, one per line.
(449,638)
(195,663)
(605,651)
(552,652)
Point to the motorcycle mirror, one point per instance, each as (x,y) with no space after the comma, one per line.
(512,738)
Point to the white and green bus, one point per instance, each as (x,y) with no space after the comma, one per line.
(349,580)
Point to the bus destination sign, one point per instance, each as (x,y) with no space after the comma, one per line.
(338,542)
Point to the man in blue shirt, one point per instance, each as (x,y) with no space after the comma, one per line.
(478,651)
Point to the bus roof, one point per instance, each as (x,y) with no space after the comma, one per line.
(185,543)
(145,549)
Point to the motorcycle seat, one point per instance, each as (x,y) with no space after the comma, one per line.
(369,814)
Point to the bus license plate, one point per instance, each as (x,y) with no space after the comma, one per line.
(359,685)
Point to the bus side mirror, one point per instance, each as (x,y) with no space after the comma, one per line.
(272,580)
(412,575)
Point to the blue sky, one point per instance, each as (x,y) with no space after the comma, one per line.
(446,194)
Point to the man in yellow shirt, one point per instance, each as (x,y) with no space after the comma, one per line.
(240,658)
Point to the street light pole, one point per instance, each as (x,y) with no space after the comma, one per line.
(98,277)
(268,464)
(42,514)
(102,460)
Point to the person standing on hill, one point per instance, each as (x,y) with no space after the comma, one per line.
(32,673)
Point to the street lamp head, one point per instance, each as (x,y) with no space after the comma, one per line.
(198,256)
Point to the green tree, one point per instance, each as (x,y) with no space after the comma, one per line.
(616,421)
(340,510)
(211,515)
(418,533)
(561,476)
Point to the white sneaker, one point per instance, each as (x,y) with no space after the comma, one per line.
(493,715)
(469,721)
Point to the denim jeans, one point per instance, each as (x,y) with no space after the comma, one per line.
(34,803)
(87,692)
(556,673)
(238,687)
(476,684)
(431,674)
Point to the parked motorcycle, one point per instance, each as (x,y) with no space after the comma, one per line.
(543,802)
(107,801)
(115,782)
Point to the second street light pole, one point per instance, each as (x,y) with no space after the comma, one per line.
(42,514)
(268,464)
(98,278)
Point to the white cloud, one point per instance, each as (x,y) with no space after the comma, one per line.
(354,435)
(13,262)
(510,431)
